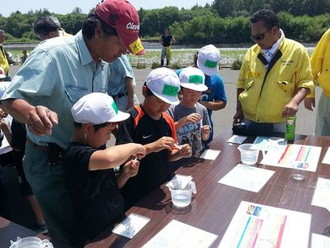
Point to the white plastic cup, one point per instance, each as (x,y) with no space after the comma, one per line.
(249,156)
(298,173)
(31,242)
(181,193)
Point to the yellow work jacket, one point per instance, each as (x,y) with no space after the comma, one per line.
(267,91)
(320,62)
(3,60)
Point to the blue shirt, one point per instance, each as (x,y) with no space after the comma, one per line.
(56,74)
(119,70)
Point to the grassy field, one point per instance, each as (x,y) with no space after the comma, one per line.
(183,57)
(180,57)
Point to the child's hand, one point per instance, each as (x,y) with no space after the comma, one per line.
(3,114)
(163,143)
(3,124)
(193,118)
(131,168)
(206,131)
(185,151)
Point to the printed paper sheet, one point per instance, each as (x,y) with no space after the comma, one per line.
(265,143)
(286,155)
(237,139)
(178,234)
(131,225)
(247,177)
(326,159)
(321,194)
(210,154)
(256,225)
(320,241)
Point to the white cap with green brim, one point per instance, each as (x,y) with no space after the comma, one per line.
(192,78)
(208,59)
(97,108)
(164,84)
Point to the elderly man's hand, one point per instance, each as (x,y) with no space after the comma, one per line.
(41,120)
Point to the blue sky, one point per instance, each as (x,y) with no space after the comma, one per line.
(66,6)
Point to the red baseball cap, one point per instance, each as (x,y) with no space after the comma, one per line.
(122,16)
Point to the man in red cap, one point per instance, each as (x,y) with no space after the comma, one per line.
(56,75)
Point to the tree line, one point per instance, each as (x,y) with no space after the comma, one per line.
(222,22)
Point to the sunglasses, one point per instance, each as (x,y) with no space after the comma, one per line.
(259,37)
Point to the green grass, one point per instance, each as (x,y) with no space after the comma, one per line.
(184,57)
(180,57)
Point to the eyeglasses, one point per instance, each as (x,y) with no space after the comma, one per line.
(259,37)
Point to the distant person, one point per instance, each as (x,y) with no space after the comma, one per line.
(4,63)
(320,62)
(47,27)
(191,119)
(122,83)
(24,56)
(207,59)
(89,166)
(166,41)
(56,75)
(275,75)
(151,126)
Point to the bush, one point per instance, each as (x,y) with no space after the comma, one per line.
(141,65)
(155,65)
(237,64)
(175,66)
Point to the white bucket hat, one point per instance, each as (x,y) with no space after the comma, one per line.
(208,59)
(192,78)
(164,84)
(97,108)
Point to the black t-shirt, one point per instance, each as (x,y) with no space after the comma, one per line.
(96,198)
(166,40)
(154,169)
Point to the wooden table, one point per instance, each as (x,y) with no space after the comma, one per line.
(10,231)
(215,204)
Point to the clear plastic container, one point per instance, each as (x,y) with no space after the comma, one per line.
(249,156)
(181,192)
(31,242)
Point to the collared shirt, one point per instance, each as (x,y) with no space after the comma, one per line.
(269,53)
(56,74)
(119,70)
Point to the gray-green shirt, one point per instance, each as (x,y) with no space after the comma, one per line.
(56,74)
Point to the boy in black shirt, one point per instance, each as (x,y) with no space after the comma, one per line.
(88,167)
(150,126)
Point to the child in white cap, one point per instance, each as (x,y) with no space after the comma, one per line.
(191,118)
(150,126)
(88,167)
(207,59)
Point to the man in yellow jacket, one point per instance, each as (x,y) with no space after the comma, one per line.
(320,62)
(275,75)
(3,57)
